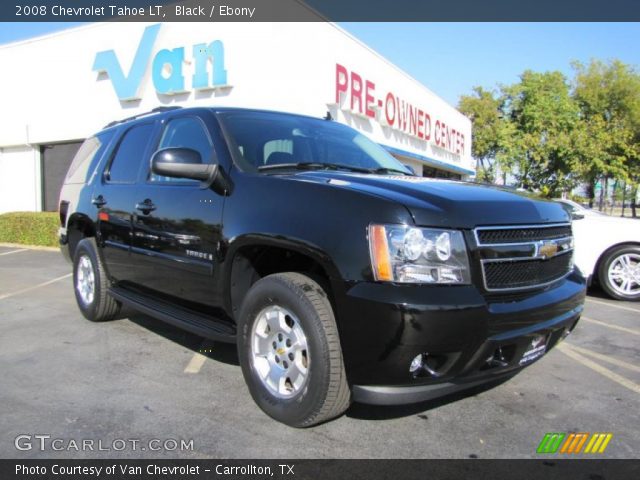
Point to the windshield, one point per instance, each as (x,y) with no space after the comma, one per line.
(261,140)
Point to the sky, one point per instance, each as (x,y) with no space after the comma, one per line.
(452,58)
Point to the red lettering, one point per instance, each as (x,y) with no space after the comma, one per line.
(402,114)
(342,82)
(420,124)
(427,126)
(368,99)
(390,100)
(413,124)
(356,91)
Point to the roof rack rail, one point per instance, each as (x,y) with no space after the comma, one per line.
(155,110)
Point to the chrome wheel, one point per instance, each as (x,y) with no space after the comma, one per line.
(624,274)
(279,352)
(85,280)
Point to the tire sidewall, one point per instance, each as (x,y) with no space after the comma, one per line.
(291,411)
(85,248)
(604,272)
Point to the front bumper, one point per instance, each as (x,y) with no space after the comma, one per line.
(383,327)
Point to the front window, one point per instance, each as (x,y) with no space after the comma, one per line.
(262,140)
(188,132)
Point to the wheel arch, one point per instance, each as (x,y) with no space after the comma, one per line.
(256,256)
(603,255)
(79,226)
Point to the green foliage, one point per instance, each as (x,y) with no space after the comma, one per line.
(550,134)
(30,228)
(609,99)
(541,147)
(483,108)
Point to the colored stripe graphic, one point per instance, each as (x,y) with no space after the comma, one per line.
(598,443)
(574,443)
(550,442)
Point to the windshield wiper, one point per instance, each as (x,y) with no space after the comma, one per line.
(313,166)
(390,170)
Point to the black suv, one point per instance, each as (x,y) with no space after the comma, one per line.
(339,274)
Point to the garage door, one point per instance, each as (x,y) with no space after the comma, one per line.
(55,163)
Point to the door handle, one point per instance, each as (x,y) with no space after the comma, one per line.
(146,206)
(99,201)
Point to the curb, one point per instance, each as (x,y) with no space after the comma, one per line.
(30,247)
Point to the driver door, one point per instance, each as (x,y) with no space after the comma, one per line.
(177,224)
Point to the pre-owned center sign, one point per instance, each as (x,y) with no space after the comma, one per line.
(356,94)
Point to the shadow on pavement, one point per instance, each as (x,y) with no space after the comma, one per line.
(219,351)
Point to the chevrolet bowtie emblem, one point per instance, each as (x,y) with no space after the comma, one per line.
(547,249)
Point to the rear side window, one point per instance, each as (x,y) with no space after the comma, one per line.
(187,132)
(90,151)
(127,159)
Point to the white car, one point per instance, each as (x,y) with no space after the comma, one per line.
(607,250)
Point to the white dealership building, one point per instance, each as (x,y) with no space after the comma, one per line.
(61,88)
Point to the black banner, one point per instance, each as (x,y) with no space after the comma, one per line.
(551,469)
(320,10)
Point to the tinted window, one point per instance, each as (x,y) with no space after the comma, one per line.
(188,132)
(126,162)
(91,149)
(267,138)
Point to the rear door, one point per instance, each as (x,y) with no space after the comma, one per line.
(115,197)
(177,224)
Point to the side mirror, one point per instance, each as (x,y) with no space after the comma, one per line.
(410,168)
(577,216)
(180,163)
(187,163)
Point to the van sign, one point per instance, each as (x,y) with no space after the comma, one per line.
(167,73)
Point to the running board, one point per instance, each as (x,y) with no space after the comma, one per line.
(199,324)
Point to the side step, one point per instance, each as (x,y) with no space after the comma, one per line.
(205,326)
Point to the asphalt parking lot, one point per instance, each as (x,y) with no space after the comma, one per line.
(138,378)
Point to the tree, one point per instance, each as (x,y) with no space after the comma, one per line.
(484,110)
(541,145)
(608,95)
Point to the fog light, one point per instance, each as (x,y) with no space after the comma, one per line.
(416,364)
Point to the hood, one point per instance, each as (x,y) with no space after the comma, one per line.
(434,202)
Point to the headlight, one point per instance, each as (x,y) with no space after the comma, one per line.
(418,255)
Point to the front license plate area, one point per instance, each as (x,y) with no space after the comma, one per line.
(536,348)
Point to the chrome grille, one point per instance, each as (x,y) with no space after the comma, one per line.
(543,255)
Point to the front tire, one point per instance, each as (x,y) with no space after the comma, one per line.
(91,284)
(290,352)
(619,273)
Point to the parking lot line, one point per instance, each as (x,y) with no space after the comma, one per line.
(28,289)
(14,251)
(596,367)
(621,307)
(196,363)
(604,358)
(615,327)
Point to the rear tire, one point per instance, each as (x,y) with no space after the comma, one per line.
(90,284)
(619,273)
(289,351)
